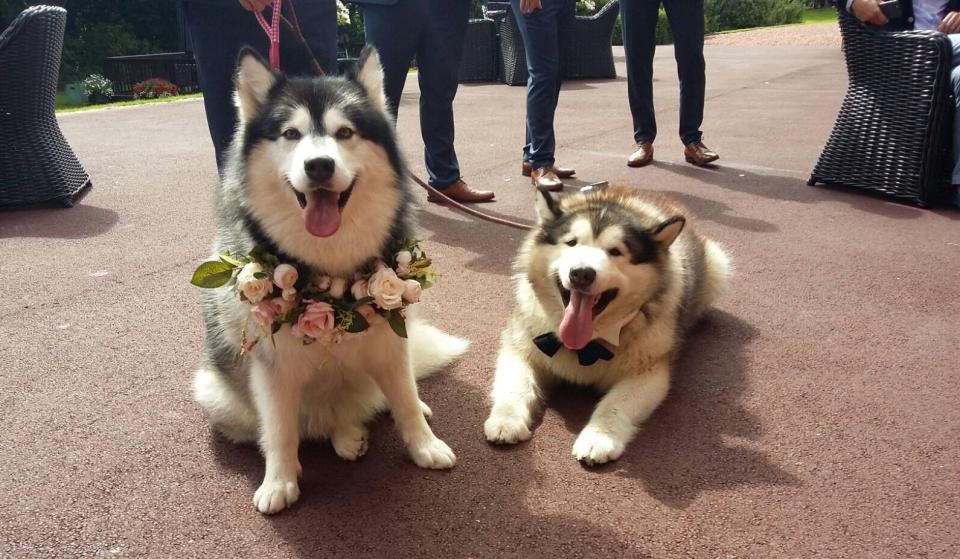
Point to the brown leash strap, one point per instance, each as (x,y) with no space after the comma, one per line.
(294,26)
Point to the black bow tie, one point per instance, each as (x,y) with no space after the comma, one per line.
(550,344)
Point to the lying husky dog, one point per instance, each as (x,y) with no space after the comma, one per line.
(315,177)
(606,287)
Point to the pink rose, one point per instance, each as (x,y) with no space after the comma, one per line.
(263,312)
(280,305)
(412,291)
(316,321)
(359,289)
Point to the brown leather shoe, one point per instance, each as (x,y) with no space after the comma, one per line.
(699,154)
(461,192)
(561,172)
(643,156)
(545,177)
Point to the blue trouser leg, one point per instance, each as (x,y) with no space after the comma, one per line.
(218,31)
(638,20)
(438,60)
(955,82)
(433,30)
(686,23)
(541,32)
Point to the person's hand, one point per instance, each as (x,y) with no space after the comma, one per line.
(950,24)
(529,6)
(868,11)
(255,5)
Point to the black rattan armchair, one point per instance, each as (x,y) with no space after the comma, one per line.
(513,59)
(36,162)
(587,51)
(893,132)
(479,62)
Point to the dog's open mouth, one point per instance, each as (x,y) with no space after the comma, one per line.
(580,309)
(322,209)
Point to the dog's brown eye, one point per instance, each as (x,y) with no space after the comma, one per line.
(292,134)
(344,133)
(614,252)
(572,243)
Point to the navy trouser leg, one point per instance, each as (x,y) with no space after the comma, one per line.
(395,32)
(686,23)
(638,19)
(541,39)
(438,61)
(218,32)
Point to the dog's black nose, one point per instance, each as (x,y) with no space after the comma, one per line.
(319,169)
(582,278)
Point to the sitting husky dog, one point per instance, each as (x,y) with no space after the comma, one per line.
(315,176)
(606,286)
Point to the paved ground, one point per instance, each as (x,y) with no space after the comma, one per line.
(810,35)
(814,413)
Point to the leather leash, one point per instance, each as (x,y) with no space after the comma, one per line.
(273,33)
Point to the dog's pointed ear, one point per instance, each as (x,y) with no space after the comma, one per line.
(666,232)
(369,74)
(254,79)
(548,206)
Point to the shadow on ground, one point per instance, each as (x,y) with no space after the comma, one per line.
(79,222)
(685,449)
(420,512)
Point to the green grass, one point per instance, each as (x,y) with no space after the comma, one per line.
(823,15)
(64,107)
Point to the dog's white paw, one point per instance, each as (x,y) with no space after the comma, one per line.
(427,412)
(350,443)
(274,495)
(594,447)
(433,454)
(506,428)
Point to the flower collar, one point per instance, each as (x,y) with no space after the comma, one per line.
(318,307)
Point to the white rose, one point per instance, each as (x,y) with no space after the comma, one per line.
(337,287)
(285,276)
(253,288)
(386,289)
(403,260)
(411,293)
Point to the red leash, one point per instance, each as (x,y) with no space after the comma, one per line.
(273,34)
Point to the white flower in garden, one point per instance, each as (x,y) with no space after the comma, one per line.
(412,291)
(386,289)
(285,276)
(338,286)
(253,288)
(403,260)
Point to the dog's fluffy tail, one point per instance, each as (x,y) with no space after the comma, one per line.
(431,349)
(718,271)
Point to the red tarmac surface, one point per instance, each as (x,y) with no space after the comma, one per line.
(815,413)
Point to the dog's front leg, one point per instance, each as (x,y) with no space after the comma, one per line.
(390,368)
(628,404)
(276,394)
(515,395)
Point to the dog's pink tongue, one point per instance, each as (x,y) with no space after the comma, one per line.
(321,216)
(576,328)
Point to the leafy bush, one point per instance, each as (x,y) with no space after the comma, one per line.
(721,15)
(96,84)
(154,88)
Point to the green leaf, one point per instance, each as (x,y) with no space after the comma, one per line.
(212,274)
(397,322)
(225,257)
(361,302)
(275,327)
(260,275)
(357,323)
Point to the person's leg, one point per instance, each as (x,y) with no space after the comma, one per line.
(438,63)
(686,22)
(638,20)
(318,23)
(955,82)
(540,38)
(395,32)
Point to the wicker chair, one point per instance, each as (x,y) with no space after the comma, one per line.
(513,59)
(893,132)
(36,163)
(587,51)
(479,62)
